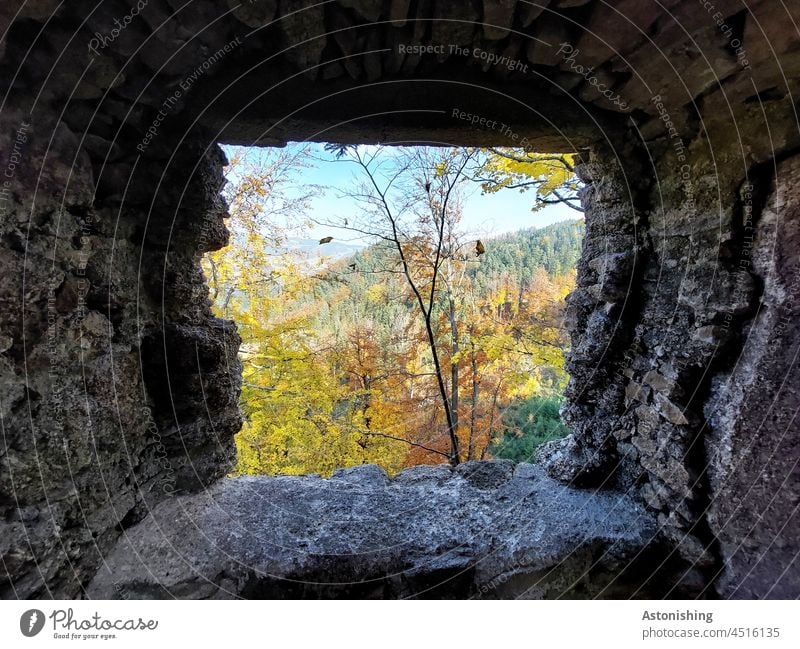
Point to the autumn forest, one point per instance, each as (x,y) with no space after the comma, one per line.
(398,335)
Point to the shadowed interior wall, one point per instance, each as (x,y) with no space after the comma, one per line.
(119,387)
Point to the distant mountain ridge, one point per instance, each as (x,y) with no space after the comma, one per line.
(311,248)
(555,247)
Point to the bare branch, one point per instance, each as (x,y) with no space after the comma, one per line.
(400,439)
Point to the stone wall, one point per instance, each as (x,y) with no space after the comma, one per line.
(683,359)
(120,389)
(119,386)
(751,444)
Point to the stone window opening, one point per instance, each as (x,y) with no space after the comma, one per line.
(417,505)
(121,387)
(356,343)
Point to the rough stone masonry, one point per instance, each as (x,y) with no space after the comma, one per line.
(119,389)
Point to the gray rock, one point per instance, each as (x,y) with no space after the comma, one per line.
(482,530)
(671,412)
(498,15)
(366,475)
(485,475)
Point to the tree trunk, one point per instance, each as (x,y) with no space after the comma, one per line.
(474,411)
(454,350)
(491,417)
(452,419)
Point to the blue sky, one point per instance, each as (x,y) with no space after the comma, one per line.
(484,215)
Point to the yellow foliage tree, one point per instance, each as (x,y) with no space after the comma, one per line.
(551,176)
(299,416)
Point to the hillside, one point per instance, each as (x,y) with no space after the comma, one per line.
(555,248)
(341,368)
(311,248)
(513,257)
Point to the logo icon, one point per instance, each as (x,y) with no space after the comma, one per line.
(31,622)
